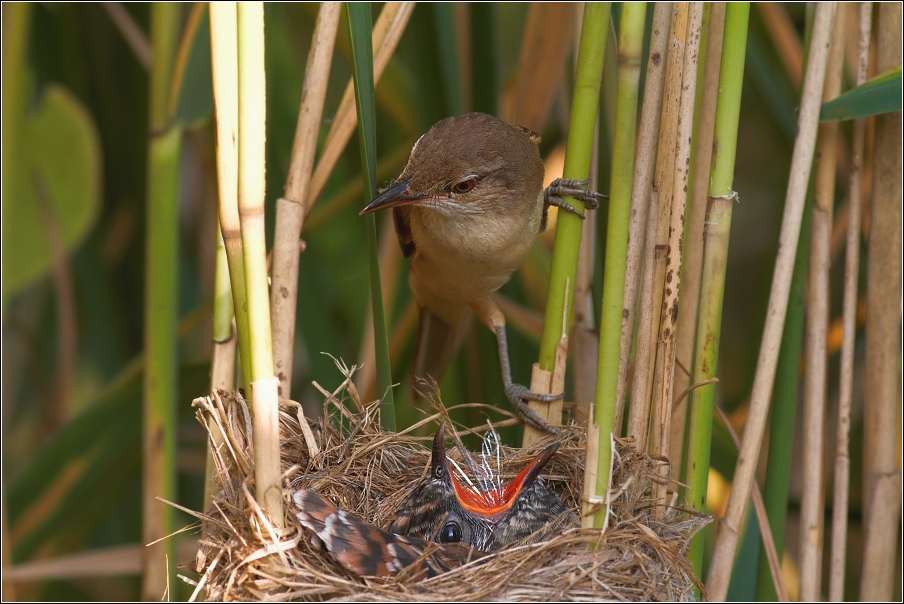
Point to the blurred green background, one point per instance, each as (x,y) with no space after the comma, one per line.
(72,344)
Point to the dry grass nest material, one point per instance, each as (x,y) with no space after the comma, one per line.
(368,471)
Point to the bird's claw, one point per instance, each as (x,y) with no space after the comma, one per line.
(519,395)
(552,195)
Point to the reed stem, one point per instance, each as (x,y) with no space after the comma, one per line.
(290,209)
(663,397)
(641,190)
(251,188)
(161,309)
(849,321)
(630,45)
(692,263)
(816,333)
(881,395)
(729,531)
(224,72)
(657,234)
(222,361)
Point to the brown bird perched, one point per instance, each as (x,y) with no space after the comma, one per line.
(442,524)
(467,208)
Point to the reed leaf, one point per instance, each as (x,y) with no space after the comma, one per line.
(882,94)
(359,23)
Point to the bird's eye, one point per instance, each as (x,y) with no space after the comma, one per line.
(450,533)
(465,185)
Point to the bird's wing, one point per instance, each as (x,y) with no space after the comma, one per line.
(368,550)
(403,230)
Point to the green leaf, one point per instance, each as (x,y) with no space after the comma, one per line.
(359,24)
(882,94)
(60,161)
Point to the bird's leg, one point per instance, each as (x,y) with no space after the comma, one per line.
(493,318)
(552,195)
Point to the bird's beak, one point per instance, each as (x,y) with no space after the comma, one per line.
(490,503)
(395,195)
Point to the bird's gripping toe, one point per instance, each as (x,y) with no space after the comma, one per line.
(560,187)
(519,395)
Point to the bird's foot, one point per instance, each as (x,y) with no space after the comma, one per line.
(519,395)
(552,195)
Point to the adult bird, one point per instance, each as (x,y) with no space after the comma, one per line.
(467,209)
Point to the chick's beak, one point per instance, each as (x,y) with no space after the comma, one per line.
(396,195)
(494,502)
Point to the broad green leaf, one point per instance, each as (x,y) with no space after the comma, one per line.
(882,94)
(60,161)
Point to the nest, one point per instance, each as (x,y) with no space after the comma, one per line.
(349,459)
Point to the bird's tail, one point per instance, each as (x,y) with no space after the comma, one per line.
(439,340)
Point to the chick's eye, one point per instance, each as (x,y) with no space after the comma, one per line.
(450,533)
(465,185)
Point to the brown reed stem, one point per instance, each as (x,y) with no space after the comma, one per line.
(846,385)
(641,191)
(657,234)
(804,145)
(883,324)
(816,332)
(672,286)
(702,145)
(290,208)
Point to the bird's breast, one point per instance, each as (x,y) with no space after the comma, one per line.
(466,253)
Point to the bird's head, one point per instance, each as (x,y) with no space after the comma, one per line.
(467,162)
(443,509)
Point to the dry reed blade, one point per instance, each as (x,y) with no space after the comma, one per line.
(547,41)
(760,509)
(387,32)
(729,531)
